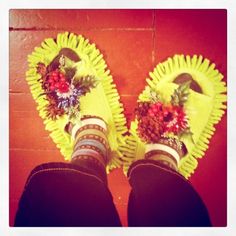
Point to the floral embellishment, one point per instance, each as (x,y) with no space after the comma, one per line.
(157,118)
(63,87)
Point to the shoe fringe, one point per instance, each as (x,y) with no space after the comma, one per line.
(172,67)
(46,53)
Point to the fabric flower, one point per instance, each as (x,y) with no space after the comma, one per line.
(155,120)
(62,90)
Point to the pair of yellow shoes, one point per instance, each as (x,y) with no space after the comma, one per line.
(59,94)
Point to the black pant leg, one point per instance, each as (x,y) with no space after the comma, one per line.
(160,197)
(59,194)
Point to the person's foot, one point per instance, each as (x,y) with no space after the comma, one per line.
(162,123)
(90,140)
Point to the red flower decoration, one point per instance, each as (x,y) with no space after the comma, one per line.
(160,119)
(57,81)
(63,87)
(174,119)
(61,91)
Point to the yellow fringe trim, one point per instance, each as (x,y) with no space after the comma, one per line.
(210,80)
(94,63)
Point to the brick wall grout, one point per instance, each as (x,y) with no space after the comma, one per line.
(153,36)
(33,149)
(84,29)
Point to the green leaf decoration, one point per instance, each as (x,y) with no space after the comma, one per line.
(74,114)
(154,96)
(150,95)
(86,83)
(180,95)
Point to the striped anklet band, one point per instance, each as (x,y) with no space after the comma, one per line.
(90,141)
(167,152)
(91,122)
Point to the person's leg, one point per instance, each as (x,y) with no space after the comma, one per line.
(160,196)
(72,194)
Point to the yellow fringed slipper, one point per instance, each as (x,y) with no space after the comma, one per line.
(183,100)
(68,79)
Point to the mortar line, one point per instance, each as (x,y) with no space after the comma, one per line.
(12,29)
(32,149)
(153,36)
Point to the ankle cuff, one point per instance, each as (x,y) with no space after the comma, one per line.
(88,121)
(164,148)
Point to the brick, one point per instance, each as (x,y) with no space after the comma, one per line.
(201,32)
(23,161)
(22,44)
(27,131)
(21,102)
(129,102)
(80,19)
(12,211)
(118,182)
(21,164)
(129,57)
(122,210)
(120,189)
(128,65)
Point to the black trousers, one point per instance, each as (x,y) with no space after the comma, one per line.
(62,194)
